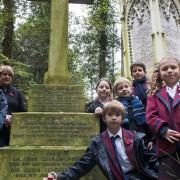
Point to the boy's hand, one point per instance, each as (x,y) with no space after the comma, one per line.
(172,136)
(98,111)
(51,176)
(150,145)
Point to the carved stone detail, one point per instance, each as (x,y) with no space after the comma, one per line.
(168,7)
(137,10)
(170,25)
(138,13)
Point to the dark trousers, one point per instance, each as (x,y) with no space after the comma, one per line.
(4,136)
(135,175)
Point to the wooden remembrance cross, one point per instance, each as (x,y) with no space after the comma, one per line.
(58,51)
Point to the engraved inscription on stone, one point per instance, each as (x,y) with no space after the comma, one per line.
(172,35)
(56,99)
(58,129)
(30,165)
(34,163)
(142,41)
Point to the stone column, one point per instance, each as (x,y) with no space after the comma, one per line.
(159,45)
(125,51)
(58,52)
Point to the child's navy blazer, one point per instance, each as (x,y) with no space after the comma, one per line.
(100,152)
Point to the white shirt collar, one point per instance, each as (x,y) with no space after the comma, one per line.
(172,91)
(118,133)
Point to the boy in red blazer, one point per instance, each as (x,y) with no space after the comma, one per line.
(119,153)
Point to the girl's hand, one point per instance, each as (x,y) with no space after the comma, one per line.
(98,111)
(8,120)
(172,136)
(51,176)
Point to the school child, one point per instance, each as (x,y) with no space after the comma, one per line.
(104,94)
(135,118)
(119,153)
(163,116)
(140,82)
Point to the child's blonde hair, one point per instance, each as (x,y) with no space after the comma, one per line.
(113,106)
(156,81)
(8,69)
(119,81)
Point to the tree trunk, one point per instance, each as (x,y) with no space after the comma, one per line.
(103,43)
(102,54)
(9,27)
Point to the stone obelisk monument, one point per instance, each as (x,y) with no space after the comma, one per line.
(58,53)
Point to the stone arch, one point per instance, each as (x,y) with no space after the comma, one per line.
(148,30)
(169,7)
(170,22)
(139,31)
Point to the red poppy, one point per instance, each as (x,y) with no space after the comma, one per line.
(128,141)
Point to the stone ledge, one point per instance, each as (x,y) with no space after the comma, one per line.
(53,129)
(50,98)
(33,163)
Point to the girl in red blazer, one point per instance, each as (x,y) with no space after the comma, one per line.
(163,116)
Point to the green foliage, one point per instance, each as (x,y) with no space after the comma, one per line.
(86,55)
(22,75)
(1,24)
(98,43)
(75,46)
(32,40)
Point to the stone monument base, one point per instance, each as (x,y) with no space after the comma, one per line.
(41,142)
(51,136)
(33,163)
(51,98)
(53,129)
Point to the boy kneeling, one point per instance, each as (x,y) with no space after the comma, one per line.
(119,153)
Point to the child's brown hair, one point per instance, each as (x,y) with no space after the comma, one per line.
(110,85)
(113,107)
(137,64)
(107,80)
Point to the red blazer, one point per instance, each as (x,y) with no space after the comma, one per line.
(159,112)
(128,138)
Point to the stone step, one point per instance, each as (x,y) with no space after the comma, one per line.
(33,163)
(49,98)
(53,129)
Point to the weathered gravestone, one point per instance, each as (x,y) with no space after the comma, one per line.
(43,142)
(55,132)
(151,31)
